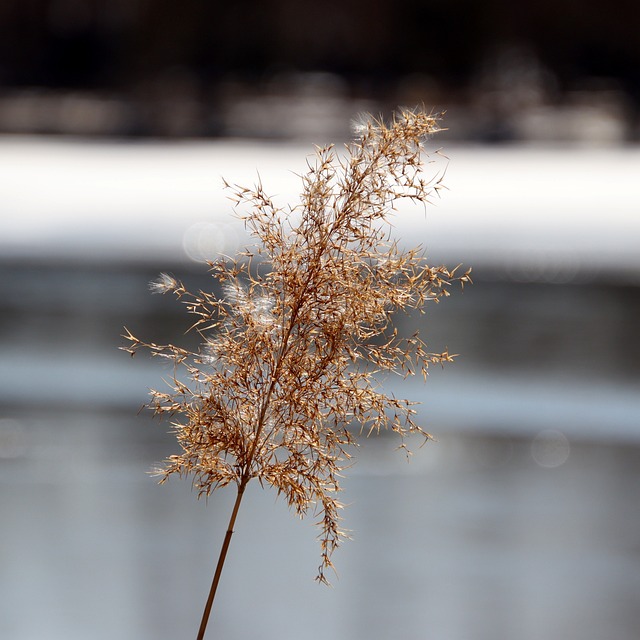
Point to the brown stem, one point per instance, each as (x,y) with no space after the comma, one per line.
(221,558)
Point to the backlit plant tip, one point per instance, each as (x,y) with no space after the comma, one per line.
(295,351)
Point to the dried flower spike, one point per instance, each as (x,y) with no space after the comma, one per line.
(293,355)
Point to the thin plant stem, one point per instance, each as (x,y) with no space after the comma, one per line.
(221,558)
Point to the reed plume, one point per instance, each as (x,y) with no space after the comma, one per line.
(294,353)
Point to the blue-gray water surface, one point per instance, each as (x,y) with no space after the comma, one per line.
(520,522)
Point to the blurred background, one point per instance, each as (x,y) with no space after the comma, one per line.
(118,121)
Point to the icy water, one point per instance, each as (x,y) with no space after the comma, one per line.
(521,522)
(478,537)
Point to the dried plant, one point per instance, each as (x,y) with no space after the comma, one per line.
(293,355)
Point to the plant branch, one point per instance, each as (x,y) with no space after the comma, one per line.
(293,356)
(221,559)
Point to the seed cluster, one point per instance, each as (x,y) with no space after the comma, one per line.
(294,354)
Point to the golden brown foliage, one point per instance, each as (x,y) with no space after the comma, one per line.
(293,358)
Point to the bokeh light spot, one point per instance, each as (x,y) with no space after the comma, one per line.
(550,448)
(207,241)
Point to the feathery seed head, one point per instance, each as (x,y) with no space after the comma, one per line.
(164,283)
(292,358)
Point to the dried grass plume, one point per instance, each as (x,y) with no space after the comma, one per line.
(293,354)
